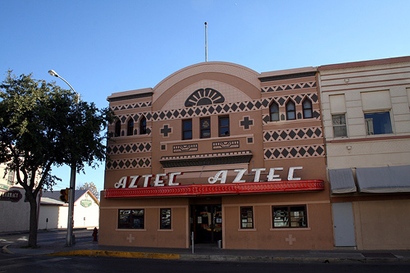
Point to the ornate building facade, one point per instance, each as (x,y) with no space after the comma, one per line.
(218,153)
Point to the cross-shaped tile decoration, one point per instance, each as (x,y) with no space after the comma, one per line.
(246,123)
(166,130)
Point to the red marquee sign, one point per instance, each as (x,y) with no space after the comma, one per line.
(217,189)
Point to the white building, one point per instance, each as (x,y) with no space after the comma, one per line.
(54,213)
(366,116)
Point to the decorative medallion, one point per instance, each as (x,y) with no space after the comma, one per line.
(204,96)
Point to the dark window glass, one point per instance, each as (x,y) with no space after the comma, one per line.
(246,217)
(187,129)
(205,125)
(274,111)
(307,108)
(165,221)
(289,217)
(131,219)
(130,127)
(290,110)
(117,131)
(143,126)
(378,123)
(224,126)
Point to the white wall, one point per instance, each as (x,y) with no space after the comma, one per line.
(15,216)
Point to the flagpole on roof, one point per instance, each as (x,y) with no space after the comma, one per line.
(206,41)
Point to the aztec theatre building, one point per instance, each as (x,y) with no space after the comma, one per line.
(222,152)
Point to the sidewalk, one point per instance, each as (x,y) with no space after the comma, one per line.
(212,253)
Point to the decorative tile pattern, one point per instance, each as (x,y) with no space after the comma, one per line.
(138,147)
(246,123)
(185,148)
(221,158)
(132,106)
(203,97)
(209,155)
(292,134)
(286,87)
(218,109)
(142,162)
(166,130)
(225,144)
(294,152)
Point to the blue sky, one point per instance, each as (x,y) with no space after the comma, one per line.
(102,46)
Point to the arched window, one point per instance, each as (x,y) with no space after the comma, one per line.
(117,131)
(130,127)
(290,110)
(274,111)
(143,125)
(307,108)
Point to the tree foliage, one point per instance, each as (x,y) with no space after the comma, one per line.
(43,126)
(91,187)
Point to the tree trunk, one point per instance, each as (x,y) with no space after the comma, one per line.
(32,238)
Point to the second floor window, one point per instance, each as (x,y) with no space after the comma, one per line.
(307,108)
(274,111)
(205,127)
(130,127)
(224,126)
(143,126)
(187,129)
(290,110)
(378,123)
(339,125)
(117,131)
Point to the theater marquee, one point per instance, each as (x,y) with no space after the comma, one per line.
(166,185)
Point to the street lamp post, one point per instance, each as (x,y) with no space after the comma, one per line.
(70,220)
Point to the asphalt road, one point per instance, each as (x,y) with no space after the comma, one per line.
(47,264)
(46,237)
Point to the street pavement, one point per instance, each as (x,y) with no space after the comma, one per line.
(86,247)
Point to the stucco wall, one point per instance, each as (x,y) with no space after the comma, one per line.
(382,224)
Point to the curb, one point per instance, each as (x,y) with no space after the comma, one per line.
(118,254)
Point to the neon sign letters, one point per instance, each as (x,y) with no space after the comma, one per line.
(161,180)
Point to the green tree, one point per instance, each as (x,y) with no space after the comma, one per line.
(91,187)
(44,126)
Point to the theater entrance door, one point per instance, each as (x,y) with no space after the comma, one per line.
(206,223)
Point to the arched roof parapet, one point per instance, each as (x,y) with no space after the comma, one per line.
(237,76)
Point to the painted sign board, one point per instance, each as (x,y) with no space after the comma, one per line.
(13,196)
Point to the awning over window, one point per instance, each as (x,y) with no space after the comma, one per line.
(342,181)
(384,179)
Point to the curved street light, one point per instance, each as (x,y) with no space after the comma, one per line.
(55,74)
(71,196)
